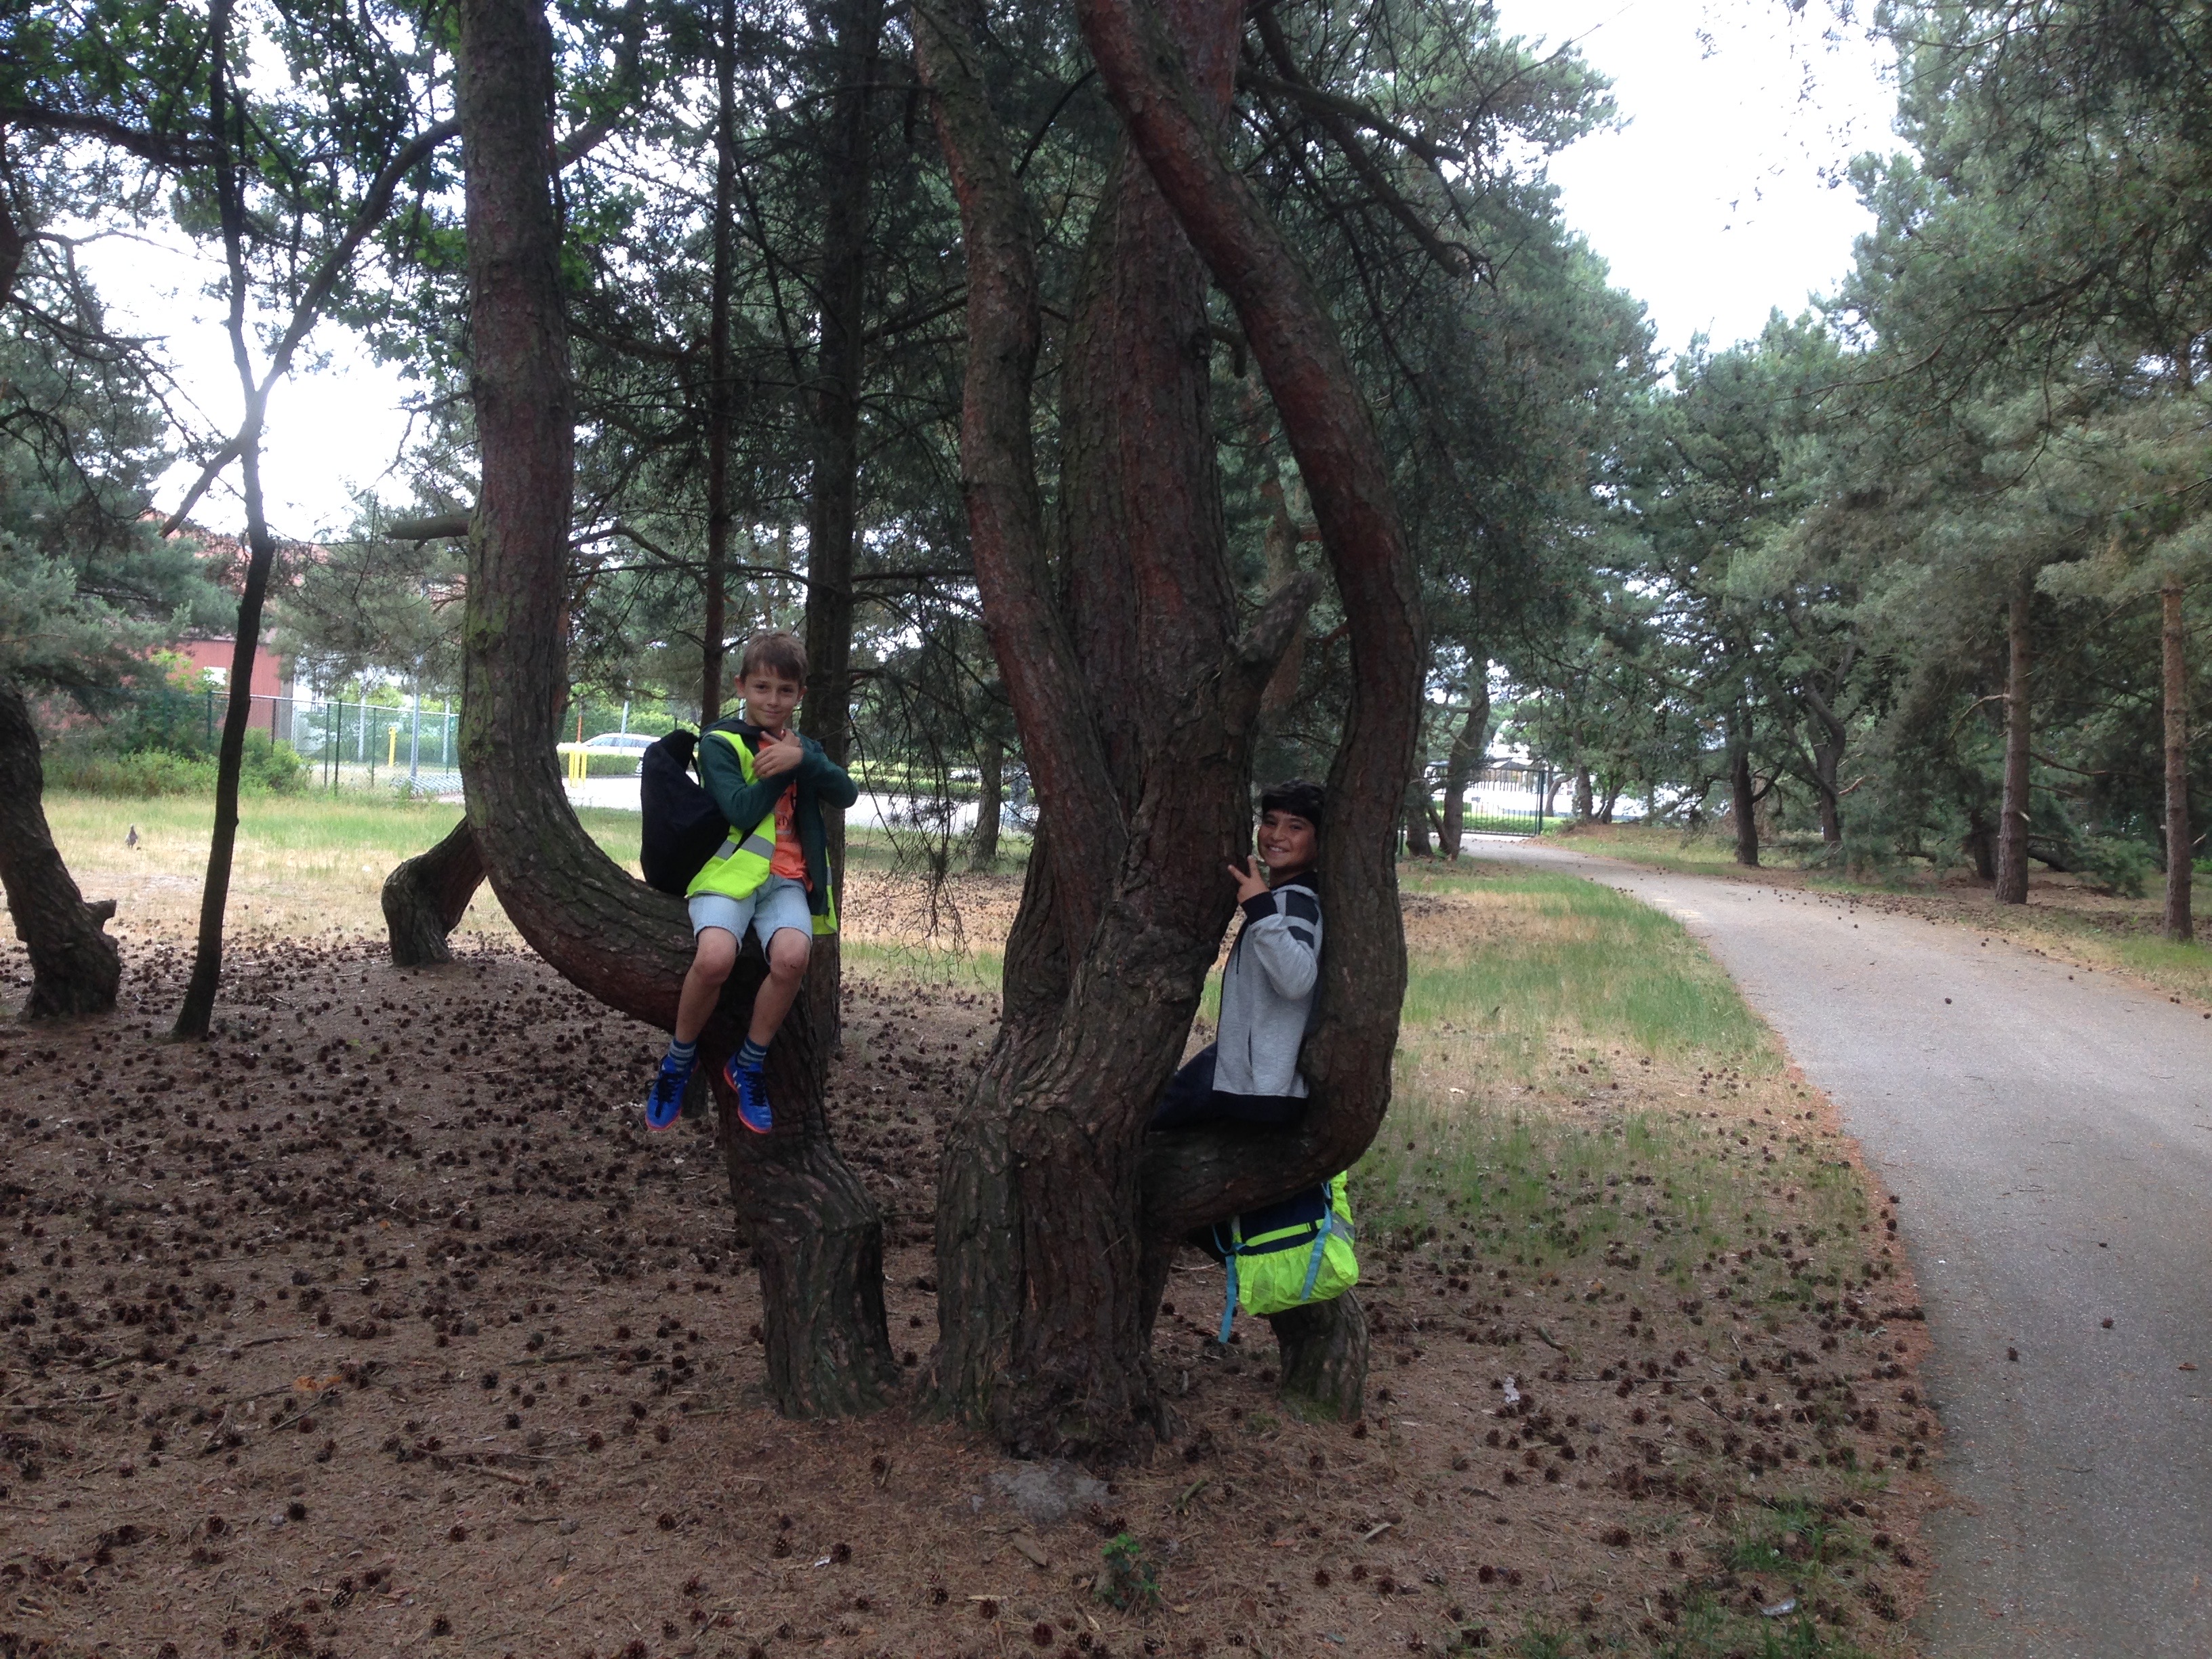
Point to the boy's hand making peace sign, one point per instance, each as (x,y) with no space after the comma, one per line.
(1251,881)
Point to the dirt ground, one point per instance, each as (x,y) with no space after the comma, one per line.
(380,1325)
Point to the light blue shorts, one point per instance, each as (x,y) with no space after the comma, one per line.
(777,903)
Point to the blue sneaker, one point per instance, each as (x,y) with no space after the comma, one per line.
(664,1102)
(750,1088)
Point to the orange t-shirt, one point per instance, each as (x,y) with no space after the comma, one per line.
(790,858)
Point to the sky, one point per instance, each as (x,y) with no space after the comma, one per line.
(1712,203)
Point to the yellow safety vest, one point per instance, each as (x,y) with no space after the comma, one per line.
(741,864)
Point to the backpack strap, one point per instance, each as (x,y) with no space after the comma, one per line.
(1230,1252)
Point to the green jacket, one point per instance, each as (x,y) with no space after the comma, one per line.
(744,804)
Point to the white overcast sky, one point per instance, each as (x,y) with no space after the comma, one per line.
(1711,204)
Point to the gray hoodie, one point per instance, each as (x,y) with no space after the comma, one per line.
(1268,993)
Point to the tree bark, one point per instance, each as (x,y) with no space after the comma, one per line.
(990,803)
(1468,746)
(1582,799)
(1417,821)
(2012,827)
(1827,759)
(198,1010)
(834,501)
(425,897)
(75,966)
(721,394)
(2180,846)
(817,1236)
(1743,800)
(1042,1281)
(1979,844)
(1324,1359)
(1201,1177)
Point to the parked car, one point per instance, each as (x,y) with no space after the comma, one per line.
(620,743)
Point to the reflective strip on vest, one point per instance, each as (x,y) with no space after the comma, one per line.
(739,866)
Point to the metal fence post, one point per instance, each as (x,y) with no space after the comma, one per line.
(1543,794)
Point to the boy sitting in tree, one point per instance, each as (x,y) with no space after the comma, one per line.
(1249,1072)
(772,872)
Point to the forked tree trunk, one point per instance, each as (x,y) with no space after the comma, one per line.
(193,1017)
(990,803)
(2180,849)
(1467,747)
(74,965)
(1043,1290)
(1743,800)
(817,1236)
(425,897)
(2012,827)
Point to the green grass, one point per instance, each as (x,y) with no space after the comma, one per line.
(1505,1124)
(1584,958)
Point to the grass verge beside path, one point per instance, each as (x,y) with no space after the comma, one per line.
(1599,1166)
(2063,917)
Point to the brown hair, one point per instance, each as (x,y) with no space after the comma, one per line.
(775,651)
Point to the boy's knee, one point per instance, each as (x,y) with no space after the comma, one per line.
(715,955)
(788,953)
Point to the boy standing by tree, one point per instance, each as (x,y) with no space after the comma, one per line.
(771,873)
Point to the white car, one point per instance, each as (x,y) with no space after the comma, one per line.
(619,743)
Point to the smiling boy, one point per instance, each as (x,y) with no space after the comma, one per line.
(771,873)
(1249,1072)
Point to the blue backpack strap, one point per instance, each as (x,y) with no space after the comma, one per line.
(1229,1307)
(1319,1243)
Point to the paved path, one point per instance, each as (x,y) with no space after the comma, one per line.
(2050,1131)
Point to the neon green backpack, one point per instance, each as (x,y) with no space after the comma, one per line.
(1288,1255)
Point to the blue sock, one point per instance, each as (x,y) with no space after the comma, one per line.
(686,1054)
(752,1057)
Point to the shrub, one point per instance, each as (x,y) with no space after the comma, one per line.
(96,767)
(2118,865)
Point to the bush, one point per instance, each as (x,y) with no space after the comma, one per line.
(2118,866)
(95,768)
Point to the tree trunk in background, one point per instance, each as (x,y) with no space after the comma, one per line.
(817,1236)
(1582,799)
(1743,807)
(1979,844)
(990,801)
(2012,827)
(1605,806)
(1043,1287)
(1417,821)
(1468,746)
(425,897)
(198,1009)
(1324,1354)
(75,966)
(2180,845)
(721,395)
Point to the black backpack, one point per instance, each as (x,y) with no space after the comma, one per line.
(683,825)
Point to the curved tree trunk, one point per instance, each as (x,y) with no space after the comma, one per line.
(817,1236)
(74,965)
(2012,827)
(1324,1350)
(1417,821)
(425,897)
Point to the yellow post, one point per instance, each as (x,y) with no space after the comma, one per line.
(391,748)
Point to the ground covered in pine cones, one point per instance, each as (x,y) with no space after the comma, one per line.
(379,1325)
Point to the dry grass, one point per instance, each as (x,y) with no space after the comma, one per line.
(1626,1215)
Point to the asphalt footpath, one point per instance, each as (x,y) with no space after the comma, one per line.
(2048,1130)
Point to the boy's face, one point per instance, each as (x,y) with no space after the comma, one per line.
(770,696)
(1287,841)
